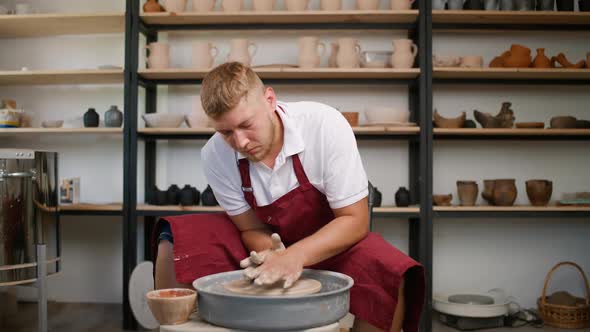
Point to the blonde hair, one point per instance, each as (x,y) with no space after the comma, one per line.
(224,87)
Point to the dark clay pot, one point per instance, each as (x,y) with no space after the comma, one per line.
(91,118)
(377,197)
(208,197)
(546,5)
(113,117)
(563,122)
(173,196)
(469,124)
(473,5)
(196,196)
(187,196)
(584,6)
(524,5)
(488,191)
(402,197)
(583,124)
(161,197)
(506,5)
(565,5)
(151,196)
(539,191)
(467,192)
(504,192)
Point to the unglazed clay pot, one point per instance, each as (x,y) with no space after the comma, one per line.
(241,50)
(334,53)
(499,60)
(519,57)
(442,122)
(348,53)
(488,191)
(468,191)
(330,4)
(541,61)
(471,61)
(402,197)
(203,6)
(539,191)
(367,4)
(263,5)
(404,53)
(563,122)
(564,62)
(296,5)
(152,6)
(504,192)
(504,119)
(310,51)
(176,6)
(442,200)
(232,5)
(401,4)
(203,54)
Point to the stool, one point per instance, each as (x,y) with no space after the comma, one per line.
(196,324)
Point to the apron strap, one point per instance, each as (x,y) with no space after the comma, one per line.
(244,167)
(299,171)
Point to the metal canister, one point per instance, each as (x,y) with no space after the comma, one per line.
(28,213)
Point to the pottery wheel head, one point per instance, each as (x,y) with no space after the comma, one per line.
(300,287)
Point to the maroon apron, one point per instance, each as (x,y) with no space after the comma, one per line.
(209,243)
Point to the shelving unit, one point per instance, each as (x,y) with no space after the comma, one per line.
(509,20)
(41,25)
(511,133)
(50,77)
(59,131)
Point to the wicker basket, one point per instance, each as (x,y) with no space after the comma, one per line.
(564,316)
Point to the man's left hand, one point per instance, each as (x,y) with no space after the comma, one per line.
(283,266)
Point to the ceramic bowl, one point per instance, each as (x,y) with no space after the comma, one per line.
(383,114)
(52,123)
(563,122)
(376,59)
(172,306)
(442,200)
(197,120)
(163,120)
(446,61)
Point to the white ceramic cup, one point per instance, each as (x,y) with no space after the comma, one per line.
(472,61)
(203,54)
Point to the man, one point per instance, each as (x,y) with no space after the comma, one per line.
(291,169)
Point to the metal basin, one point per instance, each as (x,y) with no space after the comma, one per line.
(273,313)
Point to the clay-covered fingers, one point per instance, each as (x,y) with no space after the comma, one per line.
(251,273)
(254,259)
(268,277)
(291,279)
(277,244)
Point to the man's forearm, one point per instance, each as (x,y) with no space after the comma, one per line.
(257,239)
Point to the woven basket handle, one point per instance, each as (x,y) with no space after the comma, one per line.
(555,268)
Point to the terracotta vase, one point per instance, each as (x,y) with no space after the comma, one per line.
(488,191)
(504,192)
(152,6)
(404,53)
(519,57)
(539,191)
(468,191)
(348,53)
(442,122)
(541,61)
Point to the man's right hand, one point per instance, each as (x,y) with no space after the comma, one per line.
(255,259)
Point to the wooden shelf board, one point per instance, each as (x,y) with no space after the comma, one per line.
(516,208)
(395,209)
(510,17)
(59,131)
(511,131)
(210,131)
(36,25)
(46,77)
(510,73)
(289,73)
(91,207)
(299,17)
(196,208)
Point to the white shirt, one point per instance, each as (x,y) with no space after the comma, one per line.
(327,149)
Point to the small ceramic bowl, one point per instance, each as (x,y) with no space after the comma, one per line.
(172,306)
(197,120)
(563,122)
(446,61)
(376,59)
(442,200)
(52,123)
(383,114)
(163,120)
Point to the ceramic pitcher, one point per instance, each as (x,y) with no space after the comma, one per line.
(159,49)
(232,5)
(176,6)
(203,55)
(296,5)
(401,4)
(159,55)
(241,50)
(348,53)
(263,5)
(331,4)
(404,52)
(203,6)
(308,52)
(367,4)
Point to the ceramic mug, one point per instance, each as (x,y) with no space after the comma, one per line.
(296,5)
(232,5)
(401,4)
(176,6)
(263,5)
(330,4)
(159,49)
(204,54)
(472,61)
(367,4)
(158,61)
(308,52)
(241,50)
(203,6)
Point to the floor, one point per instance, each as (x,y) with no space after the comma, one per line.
(81,317)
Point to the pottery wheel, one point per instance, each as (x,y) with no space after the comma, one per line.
(300,287)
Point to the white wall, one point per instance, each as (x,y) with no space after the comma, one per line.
(477,254)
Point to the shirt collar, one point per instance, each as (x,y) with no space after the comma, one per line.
(292,140)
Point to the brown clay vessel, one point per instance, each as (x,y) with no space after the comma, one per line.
(504,119)
(520,57)
(528,125)
(504,192)
(499,60)
(488,191)
(583,124)
(468,191)
(152,6)
(539,191)
(442,122)
(564,62)
(541,60)
(442,200)
(352,118)
(563,122)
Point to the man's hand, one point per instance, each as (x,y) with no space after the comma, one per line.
(251,263)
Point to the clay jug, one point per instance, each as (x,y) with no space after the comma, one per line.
(204,54)
(541,61)
(113,117)
(348,53)
(152,6)
(241,50)
(203,6)
(467,192)
(539,191)
(519,57)
(308,52)
(367,4)
(504,192)
(404,53)
(332,60)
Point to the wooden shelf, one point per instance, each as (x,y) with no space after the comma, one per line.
(395,209)
(290,73)
(367,131)
(60,131)
(510,132)
(91,207)
(511,73)
(287,17)
(516,208)
(510,17)
(36,25)
(48,77)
